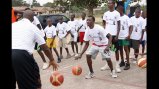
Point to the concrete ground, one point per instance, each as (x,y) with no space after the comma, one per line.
(134,78)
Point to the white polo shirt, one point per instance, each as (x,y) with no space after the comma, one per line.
(36,22)
(24,35)
(50,31)
(74,26)
(111,19)
(82,22)
(138,26)
(97,35)
(125,23)
(62,29)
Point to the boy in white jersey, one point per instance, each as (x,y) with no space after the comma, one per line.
(143,43)
(124,37)
(50,32)
(137,33)
(74,26)
(100,43)
(82,28)
(63,29)
(111,24)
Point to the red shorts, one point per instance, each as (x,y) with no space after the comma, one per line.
(81,36)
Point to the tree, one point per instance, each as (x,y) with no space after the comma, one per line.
(49,4)
(19,3)
(89,4)
(35,3)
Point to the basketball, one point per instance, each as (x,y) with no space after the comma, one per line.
(142,62)
(56,79)
(76,70)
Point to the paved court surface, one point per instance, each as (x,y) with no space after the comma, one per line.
(134,78)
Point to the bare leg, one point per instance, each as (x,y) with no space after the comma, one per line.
(61,51)
(127,53)
(89,62)
(76,46)
(121,53)
(72,45)
(42,56)
(110,64)
(56,52)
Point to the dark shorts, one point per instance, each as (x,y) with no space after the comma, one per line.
(143,43)
(123,42)
(37,47)
(115,43)
(25,70)
(134,44)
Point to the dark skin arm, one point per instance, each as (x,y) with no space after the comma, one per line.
(118,29)
(104,24)
(38,25)
(143,30)
(109,42)
(84,49)
(130,31)
(48,53)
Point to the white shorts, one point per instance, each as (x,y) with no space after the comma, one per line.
(74,39)
(62,42)
(93,51)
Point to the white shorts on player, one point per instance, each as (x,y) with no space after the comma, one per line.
(74,39)
(94,50)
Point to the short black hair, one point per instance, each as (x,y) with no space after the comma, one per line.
(138,8)
(120,6)
(93,18)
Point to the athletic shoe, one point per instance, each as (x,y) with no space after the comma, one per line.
(127,66)
(122,63)
(113,74)
(45,66)
(118,70)
(106,67)
(134,61)
(73,54)
(89,75)
(58,60)
(61,57)
(68,56)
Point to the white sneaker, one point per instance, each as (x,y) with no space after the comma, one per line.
(45,66)
(134,61)
(68,56)
(89,75)
(106,67)
(114,75)
(118,70)
(73,54)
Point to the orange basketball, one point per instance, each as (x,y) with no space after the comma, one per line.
(56,79)
(76,70)
(142,62)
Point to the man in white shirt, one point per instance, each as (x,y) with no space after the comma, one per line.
(50,32)
(36,22)
(25,69)
(74,26)
(81,29)
(63,29)
(100,43)
(124,37)
(111,24)
(143,43)
(137,33)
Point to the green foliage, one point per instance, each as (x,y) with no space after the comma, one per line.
(19,3)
